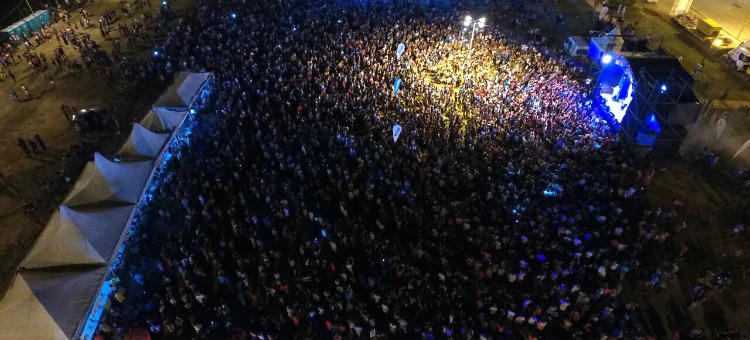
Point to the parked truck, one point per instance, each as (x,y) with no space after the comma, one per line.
(739,58)
(703,29)
(708,27)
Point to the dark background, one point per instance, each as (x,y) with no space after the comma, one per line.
(14,10)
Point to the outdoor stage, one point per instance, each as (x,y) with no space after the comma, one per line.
(648,98)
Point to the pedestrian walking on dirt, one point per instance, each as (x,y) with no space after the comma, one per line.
(14,96)
(39,141)
(24,147)
(65,109)
(26,90)
(11,75)
(32,145)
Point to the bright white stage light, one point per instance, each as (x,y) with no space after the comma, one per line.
(606,59)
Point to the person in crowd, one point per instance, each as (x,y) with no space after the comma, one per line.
(26,90)
(40,142)
(24,147)
(14,96)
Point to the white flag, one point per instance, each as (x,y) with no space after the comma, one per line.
(720,125)
(603,12)
(396,132)
(400,50)
(742,148)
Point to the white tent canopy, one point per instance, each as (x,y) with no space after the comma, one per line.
(183,90)
(60,277)
(162,120)
(104,181)
(74,238)
(142,144)
(60,244)
(22,315)
(66,296)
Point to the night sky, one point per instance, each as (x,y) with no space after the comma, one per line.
(6,6)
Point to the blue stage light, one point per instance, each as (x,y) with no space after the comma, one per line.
(652,125)
(233,15)
(606,59)
(156,53)
(663,88)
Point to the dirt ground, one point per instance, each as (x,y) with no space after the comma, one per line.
(40,114)
(713,207)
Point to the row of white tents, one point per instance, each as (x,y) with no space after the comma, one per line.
(58,280)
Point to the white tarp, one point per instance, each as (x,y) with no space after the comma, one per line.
(680,7)
(151,122)
(65,295)
(162,120)
(611,42)
(74,238)
(104,181)
(182,91)
(22,315)
(60,244)
(142,144)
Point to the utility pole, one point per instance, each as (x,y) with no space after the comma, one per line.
(739,35)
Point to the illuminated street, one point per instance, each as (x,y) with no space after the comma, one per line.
(731,14)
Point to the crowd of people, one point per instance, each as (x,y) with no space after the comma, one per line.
(504,209)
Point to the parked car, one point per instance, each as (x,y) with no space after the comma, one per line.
(89,120)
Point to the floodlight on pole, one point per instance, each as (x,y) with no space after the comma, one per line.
(478,23)
(469,21)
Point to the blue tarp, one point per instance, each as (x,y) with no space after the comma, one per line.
(32,22)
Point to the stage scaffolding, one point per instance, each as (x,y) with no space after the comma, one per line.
(680,7)
(670,99)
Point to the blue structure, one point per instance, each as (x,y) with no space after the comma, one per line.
(615,87)
(651,129)
(665,106)
(35,22)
